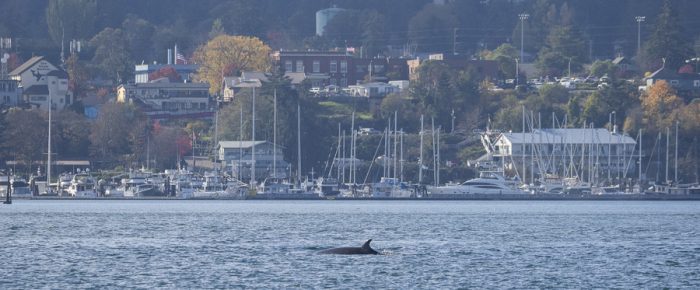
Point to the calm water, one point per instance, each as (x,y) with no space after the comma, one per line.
(273,244)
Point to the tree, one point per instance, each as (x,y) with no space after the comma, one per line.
(138,33)
(431,29)
(78,75)
(111,57)
(70,19)
(25,135)
(232,53)
(564,47)
(668,41)
(170,143)
(166,72)
(118,131)
(605,67)
(505,55)
(373,25)
(70,135)
(242,17)
(217,28)
(660,106)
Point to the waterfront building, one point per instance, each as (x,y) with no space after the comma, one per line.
(162,97)
(594,154)
(236,158)
(338,68)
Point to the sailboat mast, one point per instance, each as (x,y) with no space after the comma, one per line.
(240,144)
(274,136)
(640,161)
(401,157)
(432,122)
(522,145)
(338,154)
(352,149)
(675,170)
(420,161)
(48,160)
(299,143)
(252,156)
(668,132)
(396,139)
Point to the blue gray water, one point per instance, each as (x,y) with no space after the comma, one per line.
(273,244)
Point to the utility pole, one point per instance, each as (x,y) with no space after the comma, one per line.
(639,19)
(523,17)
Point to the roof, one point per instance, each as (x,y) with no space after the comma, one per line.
(568,136)
(37,90)
(168,85)
(26,65)
(239,144)
(59,73)
(295,77)
(254,75)
(618,60)
(667,74)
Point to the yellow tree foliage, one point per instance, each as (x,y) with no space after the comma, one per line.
(690,119)
(661,106)
(227,55)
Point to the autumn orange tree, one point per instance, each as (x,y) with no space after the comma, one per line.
(227,55)
(660,106)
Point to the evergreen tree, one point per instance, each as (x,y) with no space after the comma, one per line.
(668,41)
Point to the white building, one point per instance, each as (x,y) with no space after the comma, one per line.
(40,81)
(143,72)
(237,158)
(247,81)
(164,96)
(566,152)
(10,93)
(372,90)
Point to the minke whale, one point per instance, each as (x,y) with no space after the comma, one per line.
(366,249)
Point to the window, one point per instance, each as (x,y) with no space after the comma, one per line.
(288,66)
(300,66)
(334,66)
(674,82)
(317,66)
(696,83)
(343,66)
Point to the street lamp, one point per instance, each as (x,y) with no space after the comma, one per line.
(639,19)
(523,17)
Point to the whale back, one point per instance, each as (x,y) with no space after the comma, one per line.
(366,249)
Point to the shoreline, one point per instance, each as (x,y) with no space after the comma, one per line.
(505,197)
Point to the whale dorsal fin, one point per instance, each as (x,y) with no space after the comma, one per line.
(366,245)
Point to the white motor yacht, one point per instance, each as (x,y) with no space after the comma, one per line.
(488,182)
(82,185)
